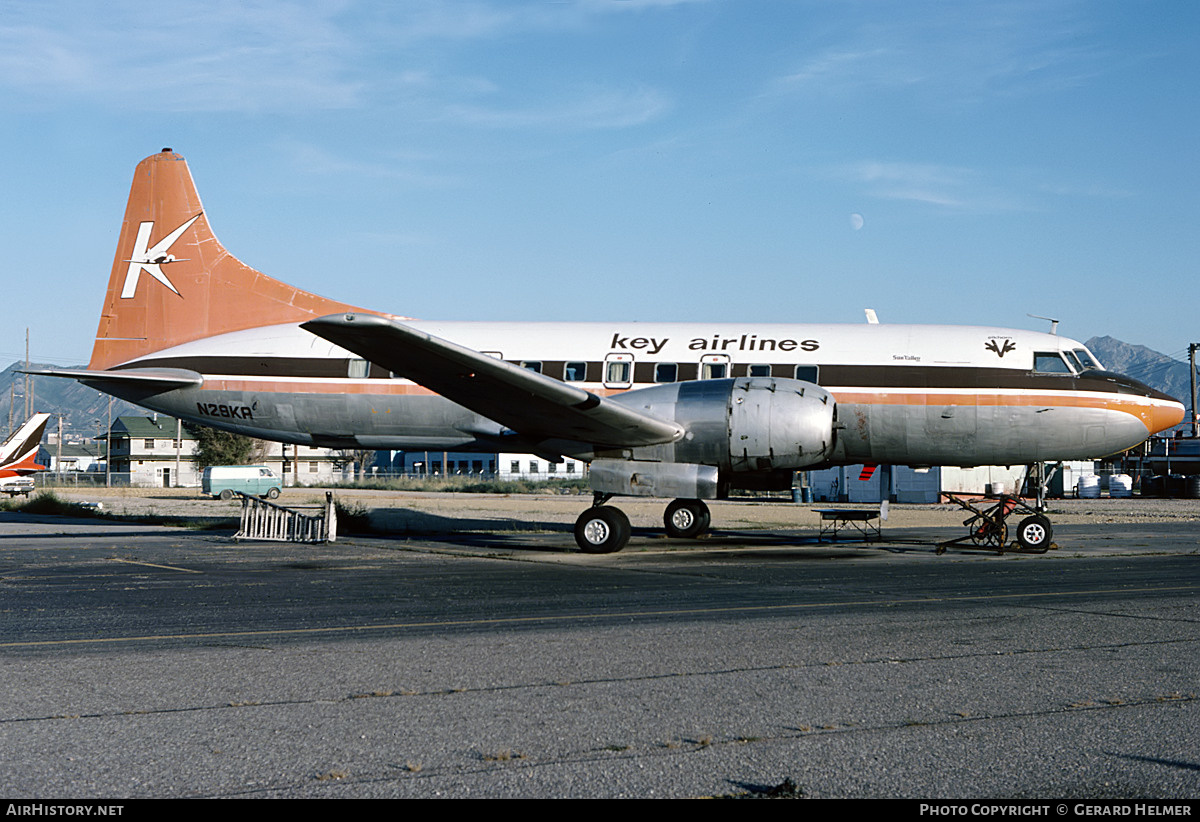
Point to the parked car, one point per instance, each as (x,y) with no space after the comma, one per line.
(18,485)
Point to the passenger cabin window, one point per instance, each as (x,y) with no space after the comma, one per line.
(760,371)
(532,365)
(808,373)
(618,371)
(1050,362)
(666,372)
(575,372)
(357,369)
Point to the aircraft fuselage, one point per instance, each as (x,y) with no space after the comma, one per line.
(919,395)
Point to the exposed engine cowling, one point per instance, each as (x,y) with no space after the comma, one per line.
(750,429)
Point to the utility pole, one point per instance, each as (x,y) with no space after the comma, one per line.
(28,378)
(1192,373)
(108,449)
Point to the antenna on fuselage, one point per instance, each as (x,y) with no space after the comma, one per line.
(1053,322)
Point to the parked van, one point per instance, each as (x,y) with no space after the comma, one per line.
(223,480)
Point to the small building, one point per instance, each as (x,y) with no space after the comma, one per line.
(306,464)
(71,457)
(847,484)
(152,452)
(443,463)
(483,464)
(530,467)
(146,453)
(851,483)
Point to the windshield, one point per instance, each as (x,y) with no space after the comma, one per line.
(1050,362)
(1087,359)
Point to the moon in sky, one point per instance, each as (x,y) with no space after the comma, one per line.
(856,221)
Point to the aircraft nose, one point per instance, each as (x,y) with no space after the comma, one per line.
(1164,413)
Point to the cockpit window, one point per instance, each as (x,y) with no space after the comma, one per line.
(1087,359)
(1074,361)
(1050,362)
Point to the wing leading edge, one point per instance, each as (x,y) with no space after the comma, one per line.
(537,407)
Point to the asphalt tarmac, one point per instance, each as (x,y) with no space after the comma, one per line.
(146,661)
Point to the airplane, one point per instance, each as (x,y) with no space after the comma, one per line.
(687,411)
(17,455)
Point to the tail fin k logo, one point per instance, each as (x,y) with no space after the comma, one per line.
(151,259)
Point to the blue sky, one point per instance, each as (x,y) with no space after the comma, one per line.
(624,159)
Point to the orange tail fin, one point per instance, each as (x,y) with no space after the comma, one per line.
(173,282)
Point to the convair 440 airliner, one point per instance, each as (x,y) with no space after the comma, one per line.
(677,410)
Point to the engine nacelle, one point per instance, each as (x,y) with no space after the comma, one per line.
(740,426)
(779,424)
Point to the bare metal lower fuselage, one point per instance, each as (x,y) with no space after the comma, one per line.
(950,433)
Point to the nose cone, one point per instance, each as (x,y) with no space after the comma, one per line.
(1165,412)
(1155,410)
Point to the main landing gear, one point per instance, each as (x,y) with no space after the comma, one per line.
(603,529)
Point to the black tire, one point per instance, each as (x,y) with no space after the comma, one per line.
(991,535)
(1034,533)
(273,493)
(602,530)
(686,519)
(227,495)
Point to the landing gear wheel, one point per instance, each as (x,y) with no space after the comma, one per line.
(602,530)
(686,519)
(1034,533)
(227,495)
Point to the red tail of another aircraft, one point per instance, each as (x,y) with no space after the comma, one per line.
(18,452)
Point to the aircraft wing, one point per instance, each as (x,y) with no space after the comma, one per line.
(533,405)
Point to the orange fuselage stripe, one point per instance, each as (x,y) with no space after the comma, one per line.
(1137,406)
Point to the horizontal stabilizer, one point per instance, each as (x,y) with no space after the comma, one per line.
(161,379)
(533,405)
